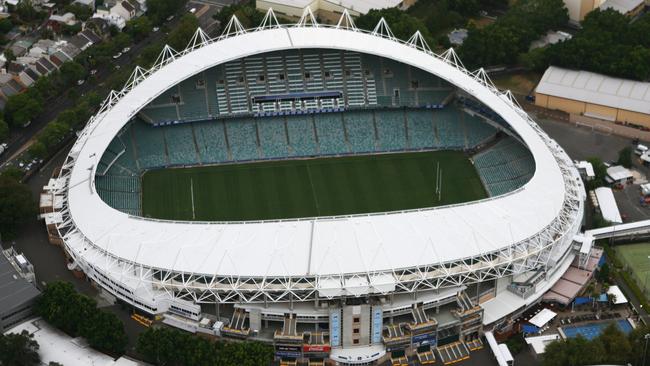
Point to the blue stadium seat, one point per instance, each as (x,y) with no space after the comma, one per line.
(331,137)
(273,137)
(242,138)
(390,129)
(301,135)
(505,166)
(360,130)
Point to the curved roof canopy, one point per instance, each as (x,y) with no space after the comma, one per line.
(321,246)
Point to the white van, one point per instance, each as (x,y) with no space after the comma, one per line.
(640,149)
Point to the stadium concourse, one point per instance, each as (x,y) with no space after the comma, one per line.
(431,197)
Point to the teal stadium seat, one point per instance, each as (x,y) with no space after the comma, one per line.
(180,144)
(273,137)
(150,145)
(331,137)
(211,141)
(390,129)
(301,135)
(361,132)
(242,137)
(504,167)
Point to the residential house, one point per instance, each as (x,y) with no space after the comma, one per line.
(88,3)
(21,46)
(112,19)
(90,36)
(125,9)
(44,66)
(99,26)
(80,42)
(28,76)
(57,22)
(70,50)
(8,87)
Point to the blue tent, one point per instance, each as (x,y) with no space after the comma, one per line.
(602,298)
(602,260)
(582,300)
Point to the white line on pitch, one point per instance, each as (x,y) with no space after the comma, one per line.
(192,193)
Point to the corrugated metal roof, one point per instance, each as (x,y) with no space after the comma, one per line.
(595,88)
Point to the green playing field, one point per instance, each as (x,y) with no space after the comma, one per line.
(636,258)
(312,187)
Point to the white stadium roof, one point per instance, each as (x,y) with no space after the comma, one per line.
(321,247)
(589,87)
(360,6)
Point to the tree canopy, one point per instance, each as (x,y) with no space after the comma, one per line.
(611,347)
(165,346)
(401,23)
(19,349)
(77,315)
(245,11)
(159,10)
(16,205)
(502,42)
(607,43)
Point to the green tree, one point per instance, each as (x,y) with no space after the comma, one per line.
(16,205)
(616,345)
(104,331)
(600,173)
(21,108)
(37,150)
(9,55)
(502,42)
(81,12)
(402,24)
(61,306)
(181,35)
(625,157)
(19,349)
(71,71)
(139,28)
(6,25)
(159,10)
(245,11)
(4,129)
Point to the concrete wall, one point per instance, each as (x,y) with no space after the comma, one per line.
(592,110)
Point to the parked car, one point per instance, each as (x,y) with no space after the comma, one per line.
(156,29)
(170,18)
(3,148)
(81,82)
(126,49)
(117,55)
(93,71)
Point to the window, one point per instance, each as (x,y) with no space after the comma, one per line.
(396,93)
(355,341)
(348,73)
(388,72)
(415,84)
(307,75)
(240,80)
(281,76)
(356,319)
(261,78)
(220,82)
(200,84)
(327,74)
(176,98)
(355,330)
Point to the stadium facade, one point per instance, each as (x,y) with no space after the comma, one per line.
(351,287)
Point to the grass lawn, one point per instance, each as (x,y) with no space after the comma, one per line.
(636,259)
(305,188)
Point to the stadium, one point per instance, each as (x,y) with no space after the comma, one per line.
(343,194)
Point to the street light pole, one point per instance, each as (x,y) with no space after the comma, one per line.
(645,349)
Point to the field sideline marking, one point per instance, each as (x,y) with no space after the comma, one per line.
(313,190)
(192,193)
